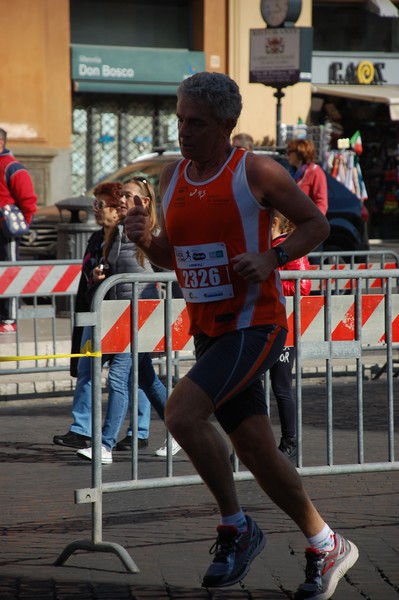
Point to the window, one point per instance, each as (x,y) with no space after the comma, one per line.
(342,27)
(143,23)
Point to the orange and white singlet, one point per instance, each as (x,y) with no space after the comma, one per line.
(207,224)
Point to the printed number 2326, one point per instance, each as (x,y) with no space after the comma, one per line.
(194,278)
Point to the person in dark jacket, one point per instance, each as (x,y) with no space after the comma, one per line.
(91,258)
(120,255)
(16,187)
(107,213)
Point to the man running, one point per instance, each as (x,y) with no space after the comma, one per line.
(217,206)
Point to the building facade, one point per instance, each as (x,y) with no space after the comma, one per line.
(89,85)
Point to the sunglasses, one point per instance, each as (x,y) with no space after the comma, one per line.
(99,205)
(137,179)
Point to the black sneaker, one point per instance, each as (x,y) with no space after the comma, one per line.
(288,447)
(72,439)
(125,445)
(325,569)
(234,553)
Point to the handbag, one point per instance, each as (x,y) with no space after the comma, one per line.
(12,221)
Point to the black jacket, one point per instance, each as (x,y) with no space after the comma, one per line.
(122,258)
(91,258)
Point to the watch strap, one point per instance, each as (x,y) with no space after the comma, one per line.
(282,256)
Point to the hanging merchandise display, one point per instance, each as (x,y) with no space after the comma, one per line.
(343,164)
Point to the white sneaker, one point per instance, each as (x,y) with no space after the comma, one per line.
(86,454)
(163,450)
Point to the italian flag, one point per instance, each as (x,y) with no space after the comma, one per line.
(356,142)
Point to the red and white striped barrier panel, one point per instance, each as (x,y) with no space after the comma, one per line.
(39,279)
(116,326)
(343,319)
(116,323)
(61,279)
(349,284)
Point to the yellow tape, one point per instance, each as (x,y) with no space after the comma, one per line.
(45,356)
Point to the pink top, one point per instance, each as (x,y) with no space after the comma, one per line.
(314,183)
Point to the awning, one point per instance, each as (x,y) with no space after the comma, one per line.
(385,94)
(146,89)
(383,8)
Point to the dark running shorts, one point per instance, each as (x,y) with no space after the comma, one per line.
(229,368)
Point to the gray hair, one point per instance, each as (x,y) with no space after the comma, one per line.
(3,135)
(217,90)
(243,140)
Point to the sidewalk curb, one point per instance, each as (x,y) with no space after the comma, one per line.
(65,386)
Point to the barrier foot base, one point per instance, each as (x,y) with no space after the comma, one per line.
(90,546)
(380,371)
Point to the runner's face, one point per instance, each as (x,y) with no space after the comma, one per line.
(201,135)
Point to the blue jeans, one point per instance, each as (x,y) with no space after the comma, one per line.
(119,387)
(81,407)
(155,389)
(118,402)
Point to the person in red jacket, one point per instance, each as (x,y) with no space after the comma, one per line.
(309,176)
(16,187)
(281,372)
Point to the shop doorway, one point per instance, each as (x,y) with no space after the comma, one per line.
(379,160)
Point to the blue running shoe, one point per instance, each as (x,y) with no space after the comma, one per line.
(234,553)
(325,569)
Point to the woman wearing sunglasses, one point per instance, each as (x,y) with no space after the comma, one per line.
(107,213)
(120,255)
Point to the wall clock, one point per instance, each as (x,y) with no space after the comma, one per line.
(277,12)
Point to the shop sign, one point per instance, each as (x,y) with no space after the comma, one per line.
(363,73)
(354,68)
(280,56)
(106,68)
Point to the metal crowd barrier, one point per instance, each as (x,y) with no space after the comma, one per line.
(325,327)
(43,293)
(355,257)
(349,260)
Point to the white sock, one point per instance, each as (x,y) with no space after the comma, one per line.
(324,540)
(238,520)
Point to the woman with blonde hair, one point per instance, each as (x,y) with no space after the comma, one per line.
(141,188)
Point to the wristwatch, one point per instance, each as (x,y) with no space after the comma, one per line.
(282,256)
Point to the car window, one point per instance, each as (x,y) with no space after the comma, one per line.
(149,168)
